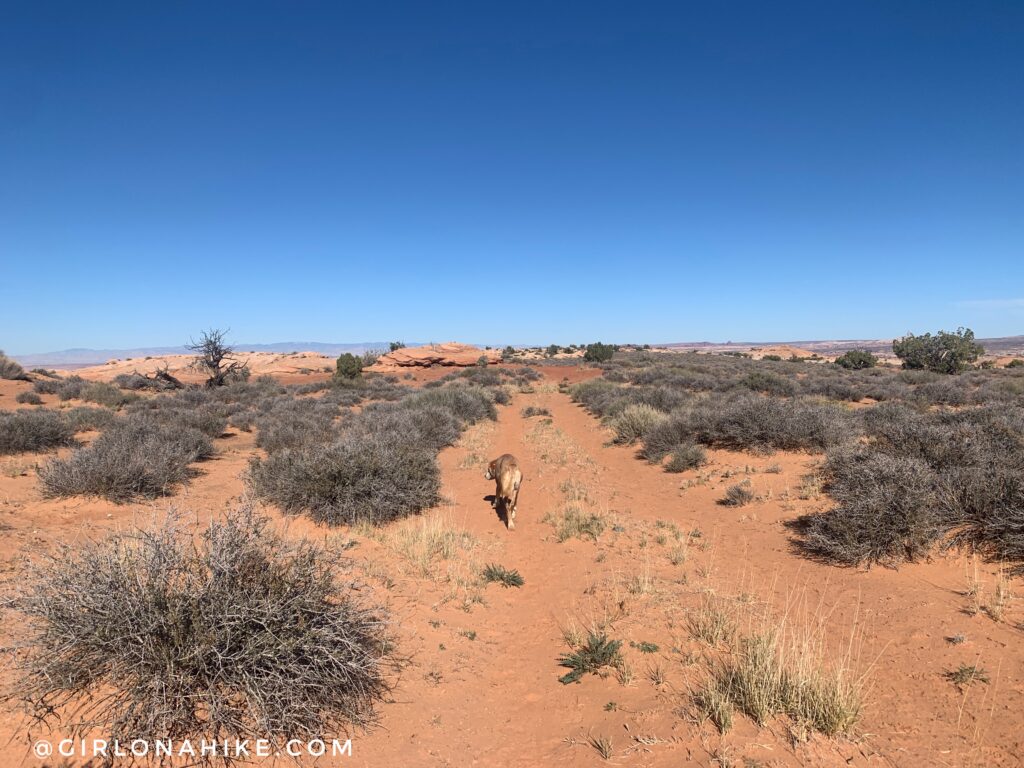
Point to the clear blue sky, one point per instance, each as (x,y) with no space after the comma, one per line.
(509,172)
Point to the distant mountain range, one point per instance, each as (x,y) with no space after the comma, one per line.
(71,358)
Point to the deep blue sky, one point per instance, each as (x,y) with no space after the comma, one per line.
(510,172)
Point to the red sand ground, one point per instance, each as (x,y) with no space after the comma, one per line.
(493,698)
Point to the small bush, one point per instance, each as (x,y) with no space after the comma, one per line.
(135,457)
(28,398)
(598,353)
(348,366)
(65,389)
(634,422)
(12,370)
(502,575)
(591,657)
(857,360)
(738,495)
(33,430)
(532,410)
(684,457)
(129,638)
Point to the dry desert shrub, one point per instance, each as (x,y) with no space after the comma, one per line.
(152,634)
(28,398)
(134,457)
(33,430)
(371,477)
(11,369)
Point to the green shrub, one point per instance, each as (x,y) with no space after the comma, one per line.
(856,360)
(598,352)
(502,575)
(348,366)
(591,657)
(1016,363)
(942,353)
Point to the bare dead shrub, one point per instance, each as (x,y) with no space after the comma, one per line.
(151,634)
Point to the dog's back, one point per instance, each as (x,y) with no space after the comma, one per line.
(508,477)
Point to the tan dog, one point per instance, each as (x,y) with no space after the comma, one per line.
(507,476)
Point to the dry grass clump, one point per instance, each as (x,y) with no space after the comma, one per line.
(634,422)
(151,634)
(782,666)
(577,523)
(33,430)
(532,410)
(135,457)
(763,679)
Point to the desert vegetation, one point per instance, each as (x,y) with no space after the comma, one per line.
(926,460)
(131,636)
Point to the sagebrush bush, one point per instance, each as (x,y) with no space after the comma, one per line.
(151,634)
(28,398)
(66,389)
(101,393)
(686,456)
(11,369)
(134,457)
(85,418)
(885,510)
(370,477)
(33,430)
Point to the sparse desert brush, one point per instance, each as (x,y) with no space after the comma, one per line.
(152,634)
(134,457)
(590,657)
(84,418)
(738,495)
(634,422)
(502,575)
(532,410)
(28,398)
(576,522)
(424,541)
(686,456)
(108,395)
(33,430)
(370,477)
(713,622)
(65,389)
